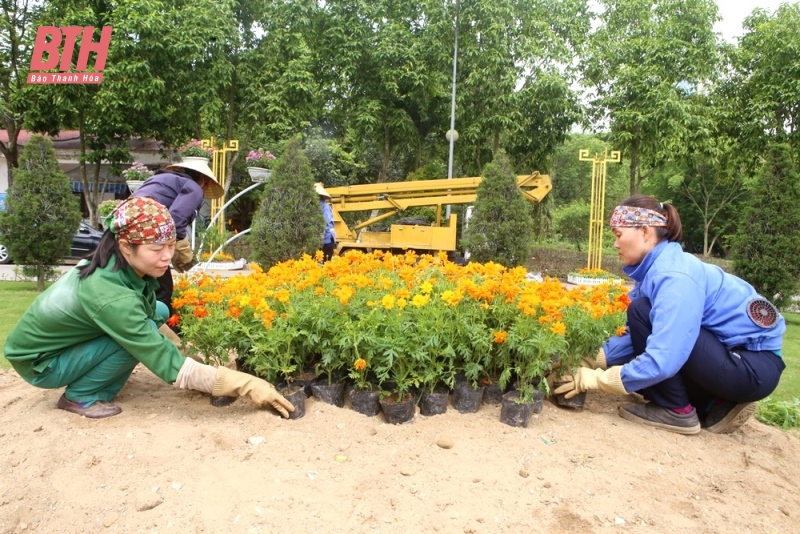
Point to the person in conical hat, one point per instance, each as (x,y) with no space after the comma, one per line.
(181,187)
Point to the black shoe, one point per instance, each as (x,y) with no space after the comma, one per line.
(726,416)
(663,418)
(96,410)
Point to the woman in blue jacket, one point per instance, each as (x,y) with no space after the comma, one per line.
(701,345)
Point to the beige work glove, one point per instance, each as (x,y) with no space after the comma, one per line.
(230,383)
(598,362)
(224,382)
(585,379)
(183,254)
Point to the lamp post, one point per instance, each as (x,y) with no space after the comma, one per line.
(452,134)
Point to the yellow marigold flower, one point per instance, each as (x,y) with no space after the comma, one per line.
(387,302)
(484,305)
(360,364)
(282,295)
(559,328)
(500,337)
(402,293)
(420,300)
(426,288)
(319,290)
(401,303)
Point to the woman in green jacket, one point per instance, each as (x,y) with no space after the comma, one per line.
(89,330)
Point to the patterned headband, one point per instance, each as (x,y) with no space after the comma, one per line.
(632,216)
(141,221)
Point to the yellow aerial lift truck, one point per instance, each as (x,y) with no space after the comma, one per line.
(388,199)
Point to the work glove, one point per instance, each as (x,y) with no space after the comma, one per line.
(224,382)
(598,362)
(230,383)
(182,258)
(585,379)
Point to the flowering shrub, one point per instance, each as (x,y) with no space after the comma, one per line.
(137,171)
(400,320)
(260,158)
(194,148)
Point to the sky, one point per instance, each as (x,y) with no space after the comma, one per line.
(733,13)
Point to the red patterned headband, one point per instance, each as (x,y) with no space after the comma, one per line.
(141,221)
(632,216)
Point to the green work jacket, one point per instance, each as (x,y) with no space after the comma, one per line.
(73,311)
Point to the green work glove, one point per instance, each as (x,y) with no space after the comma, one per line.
(230,383)
(585,379)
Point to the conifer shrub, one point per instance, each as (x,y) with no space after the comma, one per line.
(767,241)
(501,227)
(289,220)
(41,213)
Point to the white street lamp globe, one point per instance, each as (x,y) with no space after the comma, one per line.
(454,133)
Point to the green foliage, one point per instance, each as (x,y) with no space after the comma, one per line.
(331,164)
(289,221)
(501,226)
(572,222)
(783,414)
(768,238)
(41,212)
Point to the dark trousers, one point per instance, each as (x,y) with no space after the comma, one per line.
(327,250)
(164,293)
(712,370)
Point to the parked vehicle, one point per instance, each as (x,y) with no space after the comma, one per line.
(84,241)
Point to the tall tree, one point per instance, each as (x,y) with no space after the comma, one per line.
(768,237)
(645,60)
(42,213)
(17,34)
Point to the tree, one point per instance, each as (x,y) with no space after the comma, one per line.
(41,212)
(289,221)
(501,227)
(764,82)
(645,61)
(17,34)
(572,222)
(768,238)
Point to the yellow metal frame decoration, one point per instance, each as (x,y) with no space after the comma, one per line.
(597,207)
(219,165)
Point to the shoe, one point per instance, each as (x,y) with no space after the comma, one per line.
(726,416)
(96,410)
(663,418)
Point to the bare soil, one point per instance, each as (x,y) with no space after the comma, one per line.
(171,462)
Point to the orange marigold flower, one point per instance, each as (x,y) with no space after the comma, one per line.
(500,337)
(621,330)
(234,311)
(559,328)
(360,364)
(174,319)
(543,319)
(200,312)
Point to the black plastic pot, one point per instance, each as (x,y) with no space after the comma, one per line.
(434,402)
(575,402)
(364,401)
(304,381)
(329,393)
(397,412)
(467,399)
(515,413)
(492,393)
(297,397)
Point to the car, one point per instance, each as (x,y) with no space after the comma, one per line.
(84,241)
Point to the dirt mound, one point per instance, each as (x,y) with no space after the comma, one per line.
(171,462)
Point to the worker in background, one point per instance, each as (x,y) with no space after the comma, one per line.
(180,187)
(329,235)
(701,344)
(90,329)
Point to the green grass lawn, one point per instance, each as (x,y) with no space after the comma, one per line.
(17,296)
